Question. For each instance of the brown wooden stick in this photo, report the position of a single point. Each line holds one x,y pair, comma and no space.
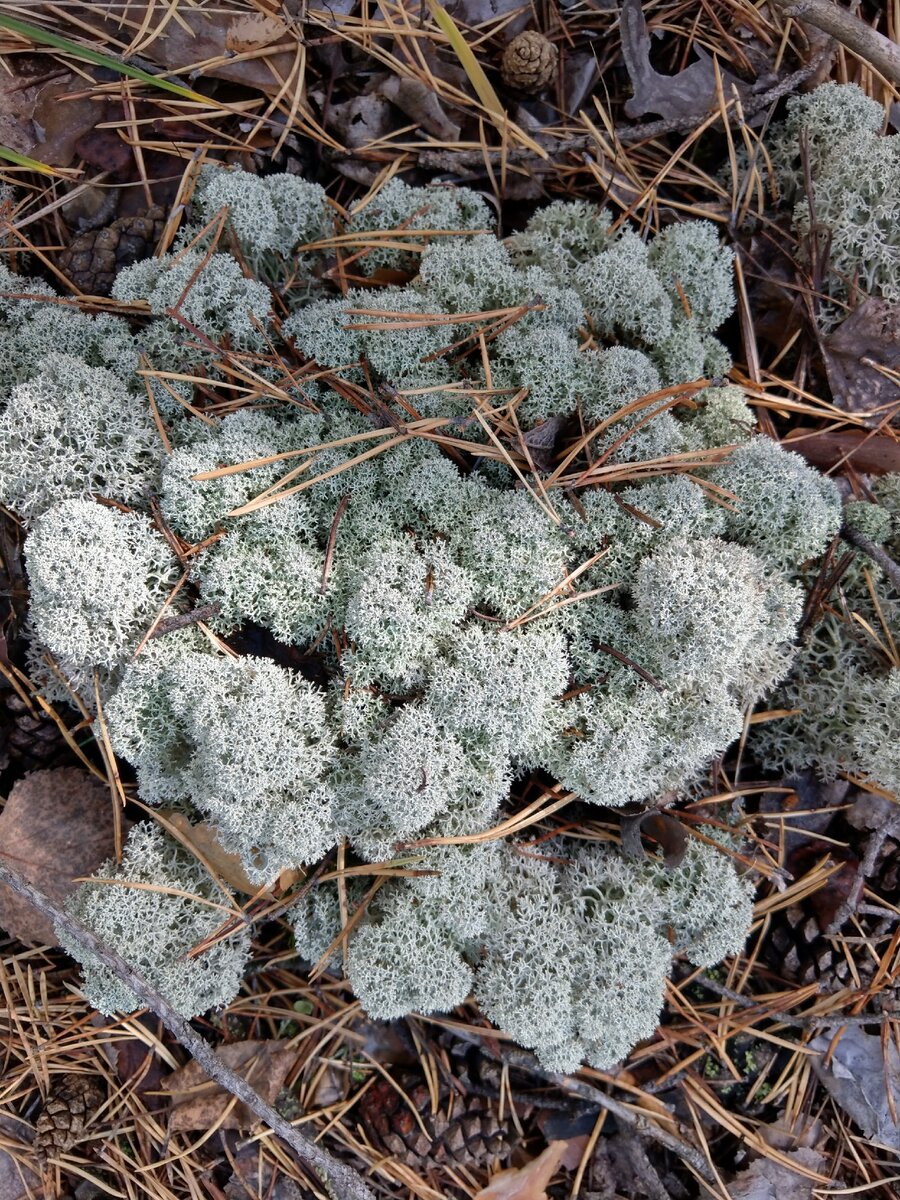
850,30
874,551
340,1179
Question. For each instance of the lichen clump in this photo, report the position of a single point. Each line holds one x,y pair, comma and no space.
854,169
399,626
843,692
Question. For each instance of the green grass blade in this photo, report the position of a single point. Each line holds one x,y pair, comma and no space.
22,160
484,89
467,60
43,37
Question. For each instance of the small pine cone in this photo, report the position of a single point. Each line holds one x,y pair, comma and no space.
61,1122
93,259
463,1132
31,738
529,62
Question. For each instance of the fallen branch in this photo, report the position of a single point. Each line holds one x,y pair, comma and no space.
874,551
340,1180
448,159
848,29
183,620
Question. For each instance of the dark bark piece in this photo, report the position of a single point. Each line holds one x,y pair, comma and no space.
868,453
57,825
866,340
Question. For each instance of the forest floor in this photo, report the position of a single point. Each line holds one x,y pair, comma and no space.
778,1074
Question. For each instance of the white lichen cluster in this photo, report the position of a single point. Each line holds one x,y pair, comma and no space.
98,578
843,694
73,430
854,170
154,908
418,649
567,951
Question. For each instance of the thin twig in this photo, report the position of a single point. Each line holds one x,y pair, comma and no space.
874,551
203,613
340,1179
815,1021
850,30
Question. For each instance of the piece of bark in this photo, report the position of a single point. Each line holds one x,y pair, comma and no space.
56,826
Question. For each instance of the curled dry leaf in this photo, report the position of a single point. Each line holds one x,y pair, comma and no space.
252,31
528,1182
690,93
57,825
202,841
667,831
541,442
421,105
858,355
862,1075
200,1103
198,39
767,1179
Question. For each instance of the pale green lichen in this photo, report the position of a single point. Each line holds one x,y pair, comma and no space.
154,908
423,636
74,431
855,174
841,698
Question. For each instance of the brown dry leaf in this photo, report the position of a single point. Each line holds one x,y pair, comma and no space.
871,811
17,1177
198,36
56,826
254,1176
541,442
201,838
135,1061
37,119
362,120
857,1069
528,1182
809,809
690,93
833,895
61,120
107,151
17,101
421,105
866,340
876,454
479,12
770,1180
252,31
199,1103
